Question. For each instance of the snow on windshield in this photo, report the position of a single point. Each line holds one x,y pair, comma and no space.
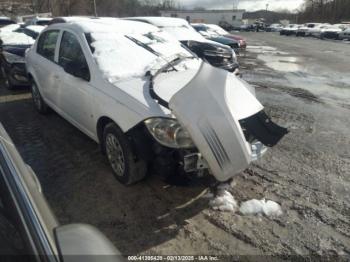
218,29
184,33
119,57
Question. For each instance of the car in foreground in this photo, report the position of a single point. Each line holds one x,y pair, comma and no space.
290,29
216,54
170,112
34,232
211,35
14,41
220,31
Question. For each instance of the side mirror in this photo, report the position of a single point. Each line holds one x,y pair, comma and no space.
81,242
78,70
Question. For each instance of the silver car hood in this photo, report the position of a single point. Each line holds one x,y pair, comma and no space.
210,107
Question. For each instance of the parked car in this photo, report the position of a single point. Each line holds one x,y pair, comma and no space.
211,35
216,54
318,30
274,28
4,21
247,28
345,34
170,112
39,21
15,40
34,232
290,29
220,31
333,31
304,30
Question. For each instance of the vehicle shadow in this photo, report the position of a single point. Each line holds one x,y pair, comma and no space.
80,186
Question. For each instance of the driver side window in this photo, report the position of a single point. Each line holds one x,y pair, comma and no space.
71,52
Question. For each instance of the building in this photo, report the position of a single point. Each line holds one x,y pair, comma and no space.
232,17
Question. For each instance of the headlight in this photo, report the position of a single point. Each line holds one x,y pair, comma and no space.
169,132
12,58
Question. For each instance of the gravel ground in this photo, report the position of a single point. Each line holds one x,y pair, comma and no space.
304,85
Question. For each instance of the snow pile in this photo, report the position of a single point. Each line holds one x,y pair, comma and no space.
224,201
256,207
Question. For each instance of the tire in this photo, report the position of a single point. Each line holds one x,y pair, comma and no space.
38,101
127,168
7,81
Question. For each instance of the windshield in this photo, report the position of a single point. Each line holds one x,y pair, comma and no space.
132,55
184,33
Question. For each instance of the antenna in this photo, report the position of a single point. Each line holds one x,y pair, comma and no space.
235,4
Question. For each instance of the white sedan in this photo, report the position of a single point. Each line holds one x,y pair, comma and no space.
147,100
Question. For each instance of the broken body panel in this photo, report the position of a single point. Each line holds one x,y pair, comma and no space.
211,107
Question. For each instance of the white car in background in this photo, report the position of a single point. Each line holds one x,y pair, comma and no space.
345,34
318,30
305,29
147,100
333,31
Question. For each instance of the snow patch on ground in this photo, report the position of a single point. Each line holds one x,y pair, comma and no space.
255,207
223,200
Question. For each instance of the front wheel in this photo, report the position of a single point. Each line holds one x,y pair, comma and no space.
38,101
127,168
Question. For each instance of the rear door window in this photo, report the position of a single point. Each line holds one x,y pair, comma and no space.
47,44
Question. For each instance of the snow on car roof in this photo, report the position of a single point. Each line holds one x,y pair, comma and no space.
177,27
115,49
36,28
163,21
9,28
14,38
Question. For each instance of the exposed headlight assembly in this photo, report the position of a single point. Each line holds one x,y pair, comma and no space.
12,58
169,132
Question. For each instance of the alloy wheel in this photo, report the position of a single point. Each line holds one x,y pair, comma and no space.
115,154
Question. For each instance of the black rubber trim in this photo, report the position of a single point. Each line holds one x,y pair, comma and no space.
261,127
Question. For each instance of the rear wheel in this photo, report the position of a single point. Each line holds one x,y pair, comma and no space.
38,101
127,168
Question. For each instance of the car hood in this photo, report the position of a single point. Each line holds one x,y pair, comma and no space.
235,37
223,40
168,84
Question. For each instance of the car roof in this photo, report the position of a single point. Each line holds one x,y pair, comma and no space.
161,21
101,24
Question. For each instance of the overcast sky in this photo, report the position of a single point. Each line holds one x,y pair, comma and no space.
250,5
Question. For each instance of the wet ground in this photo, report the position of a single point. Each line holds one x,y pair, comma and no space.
304,85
